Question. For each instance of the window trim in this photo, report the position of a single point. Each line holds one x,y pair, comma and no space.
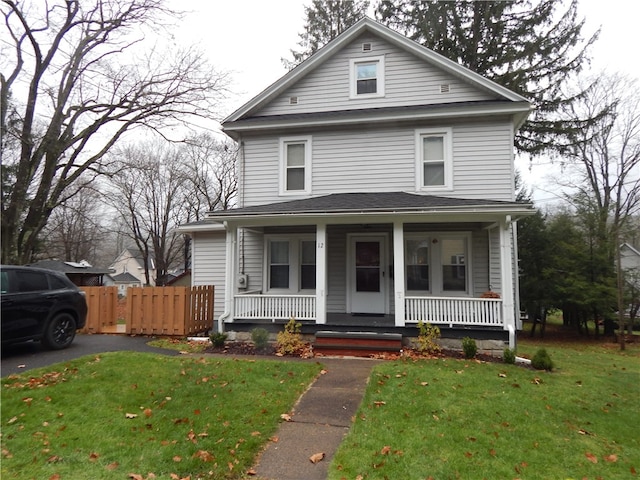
436,262
353,77
447,134
283,143
295,262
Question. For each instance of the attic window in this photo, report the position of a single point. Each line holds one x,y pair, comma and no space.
445,88
367,77
293,100
366,47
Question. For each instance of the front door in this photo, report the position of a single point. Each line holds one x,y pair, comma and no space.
367,275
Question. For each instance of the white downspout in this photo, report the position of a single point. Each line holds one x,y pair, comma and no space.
230,262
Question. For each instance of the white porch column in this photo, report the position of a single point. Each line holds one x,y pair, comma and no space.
321,273
230,274
398,272
506,276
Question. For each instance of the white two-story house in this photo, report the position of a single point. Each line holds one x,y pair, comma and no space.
376,189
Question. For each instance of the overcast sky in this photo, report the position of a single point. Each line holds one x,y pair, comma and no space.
249,37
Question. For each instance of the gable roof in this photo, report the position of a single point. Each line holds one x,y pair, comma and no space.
369,25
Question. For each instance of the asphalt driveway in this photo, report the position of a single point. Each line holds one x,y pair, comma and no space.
25,356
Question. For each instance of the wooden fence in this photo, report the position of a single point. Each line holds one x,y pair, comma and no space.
174,311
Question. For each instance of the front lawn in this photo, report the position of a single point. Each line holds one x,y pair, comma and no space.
455,419
141,416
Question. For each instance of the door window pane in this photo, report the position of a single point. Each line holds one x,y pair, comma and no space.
367,266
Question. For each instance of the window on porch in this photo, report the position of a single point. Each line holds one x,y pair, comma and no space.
436,263
291,264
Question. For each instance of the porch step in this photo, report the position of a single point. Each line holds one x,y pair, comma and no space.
356,344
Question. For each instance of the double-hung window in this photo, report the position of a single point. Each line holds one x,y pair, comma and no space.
436,263
434,162
291,263
367,77
295,165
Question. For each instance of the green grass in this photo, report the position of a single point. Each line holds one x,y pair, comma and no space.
460,419
125,413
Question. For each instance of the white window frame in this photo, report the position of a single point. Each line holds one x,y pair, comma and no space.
284,142
295,262
353,80
446,134
436,261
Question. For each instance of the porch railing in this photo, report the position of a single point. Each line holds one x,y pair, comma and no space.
454,311
275,307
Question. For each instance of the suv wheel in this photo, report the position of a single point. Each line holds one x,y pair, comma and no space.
60,331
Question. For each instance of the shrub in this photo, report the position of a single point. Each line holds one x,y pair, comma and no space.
428,338
289,342
260,338
542,361
469,347
509,356
218,339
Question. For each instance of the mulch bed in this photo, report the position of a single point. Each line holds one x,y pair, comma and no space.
247,348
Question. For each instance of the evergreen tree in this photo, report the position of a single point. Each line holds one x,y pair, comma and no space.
326,19
528,47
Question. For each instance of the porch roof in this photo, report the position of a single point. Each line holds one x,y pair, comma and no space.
378,204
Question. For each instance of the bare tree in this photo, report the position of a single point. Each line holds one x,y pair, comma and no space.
83,84
211,168
150,195
74,231
607,155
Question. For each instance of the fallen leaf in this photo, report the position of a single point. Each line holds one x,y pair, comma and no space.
468,454
147,412
379,403
286,417
112,466
251,471
385,450
28,401
591,457
54,459
611,458
502,375
135,476
93,456
323,372
316,457
204,456
255,434
55,476
274,439
492,452
177,458
424,384
130,415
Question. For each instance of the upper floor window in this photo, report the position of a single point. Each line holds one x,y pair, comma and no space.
434,162
367,77
295,165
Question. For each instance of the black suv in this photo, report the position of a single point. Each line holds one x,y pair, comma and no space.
40,304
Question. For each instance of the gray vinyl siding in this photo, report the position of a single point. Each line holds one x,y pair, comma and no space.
408,81
208,265
383,160
480,263
251,258
494,260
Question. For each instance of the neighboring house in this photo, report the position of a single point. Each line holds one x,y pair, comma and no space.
181,280
130,261
376,189
80,273
630,263
125,280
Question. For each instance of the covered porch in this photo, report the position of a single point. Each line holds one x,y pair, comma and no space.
373,261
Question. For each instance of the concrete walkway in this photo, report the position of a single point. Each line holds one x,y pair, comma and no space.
320,420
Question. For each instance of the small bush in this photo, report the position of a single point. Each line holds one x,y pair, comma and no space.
428,338
469,347
542,361
260,338
509,356
218,339
290,341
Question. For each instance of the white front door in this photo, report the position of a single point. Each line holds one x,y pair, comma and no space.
367,274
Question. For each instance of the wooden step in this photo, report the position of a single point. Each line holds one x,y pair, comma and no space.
356,344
